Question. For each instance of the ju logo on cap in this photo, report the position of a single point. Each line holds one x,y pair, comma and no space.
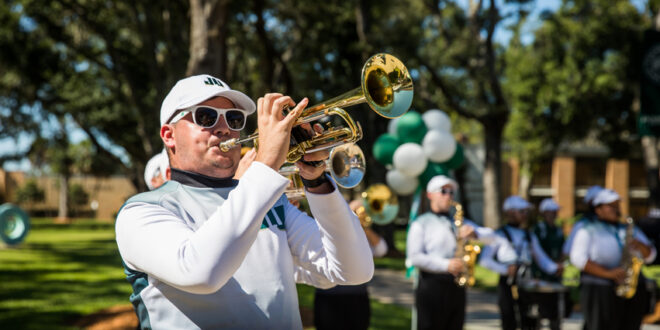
213,81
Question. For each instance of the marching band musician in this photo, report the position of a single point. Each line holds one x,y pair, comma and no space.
597,251
207,251
347,306
431,245
551,238
157,170
513,311
588,217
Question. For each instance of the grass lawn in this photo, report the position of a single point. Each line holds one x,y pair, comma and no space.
58,274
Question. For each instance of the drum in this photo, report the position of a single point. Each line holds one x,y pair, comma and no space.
545,299
14,224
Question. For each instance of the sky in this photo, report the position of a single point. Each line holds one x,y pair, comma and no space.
8,146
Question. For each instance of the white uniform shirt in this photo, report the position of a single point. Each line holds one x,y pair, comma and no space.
229,257
431,241
497,256
603,243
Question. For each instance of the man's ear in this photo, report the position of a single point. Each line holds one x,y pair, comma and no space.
168,173
167,135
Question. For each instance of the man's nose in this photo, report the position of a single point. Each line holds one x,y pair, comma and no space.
221,126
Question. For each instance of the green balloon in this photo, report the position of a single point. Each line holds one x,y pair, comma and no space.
384,148
432,169
411,128
456,160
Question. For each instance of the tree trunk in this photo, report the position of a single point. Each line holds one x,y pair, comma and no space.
525,179
208,36
492,170
63,207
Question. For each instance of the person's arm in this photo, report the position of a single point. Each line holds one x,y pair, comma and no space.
642,244
153,240
488,256
380,249
331,250
542,259
483,234
566,248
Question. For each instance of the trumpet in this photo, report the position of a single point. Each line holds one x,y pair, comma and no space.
346,165
386,86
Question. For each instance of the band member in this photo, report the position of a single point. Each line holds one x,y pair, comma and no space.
206,251
157,170
514,308
347,306
431,246
597,251
586,218
551,238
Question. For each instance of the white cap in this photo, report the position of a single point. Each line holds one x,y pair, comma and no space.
515,203
548,204
197,89
156,165
591,193
437,182
606,196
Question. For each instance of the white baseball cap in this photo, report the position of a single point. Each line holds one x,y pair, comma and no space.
548,204
437,182
591,193
156,166
515,203
606,196
197,89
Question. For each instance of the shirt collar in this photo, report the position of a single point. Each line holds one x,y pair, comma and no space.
201,181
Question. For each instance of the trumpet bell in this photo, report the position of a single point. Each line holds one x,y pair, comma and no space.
347,165
387,85
380,203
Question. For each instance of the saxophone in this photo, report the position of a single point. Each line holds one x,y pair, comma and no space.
631,263
465,251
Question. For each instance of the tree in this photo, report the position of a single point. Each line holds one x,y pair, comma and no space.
106,64
577,78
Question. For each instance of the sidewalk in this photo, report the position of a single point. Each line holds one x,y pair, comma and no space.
392,287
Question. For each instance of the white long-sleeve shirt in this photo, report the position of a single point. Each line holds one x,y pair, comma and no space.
497,256
431,241
603,244
229,257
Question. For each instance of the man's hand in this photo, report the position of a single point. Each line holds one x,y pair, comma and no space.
467,231
511,270
560,269
456,266
644,249
308,171
245,162
275,128
618,275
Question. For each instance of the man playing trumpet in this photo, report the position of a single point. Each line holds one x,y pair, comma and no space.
206,251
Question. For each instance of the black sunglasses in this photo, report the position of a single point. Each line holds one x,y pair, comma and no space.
447,191
207,116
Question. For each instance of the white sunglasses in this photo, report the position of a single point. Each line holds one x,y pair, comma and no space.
207,116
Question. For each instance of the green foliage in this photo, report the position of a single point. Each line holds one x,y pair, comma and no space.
577,78
29,192
77,195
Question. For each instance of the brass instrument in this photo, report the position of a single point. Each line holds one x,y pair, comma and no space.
386,86
346,165
631,263
380,204
465,250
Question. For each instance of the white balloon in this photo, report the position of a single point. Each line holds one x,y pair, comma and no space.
439,146
436,120
391,126
401,184
409,159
